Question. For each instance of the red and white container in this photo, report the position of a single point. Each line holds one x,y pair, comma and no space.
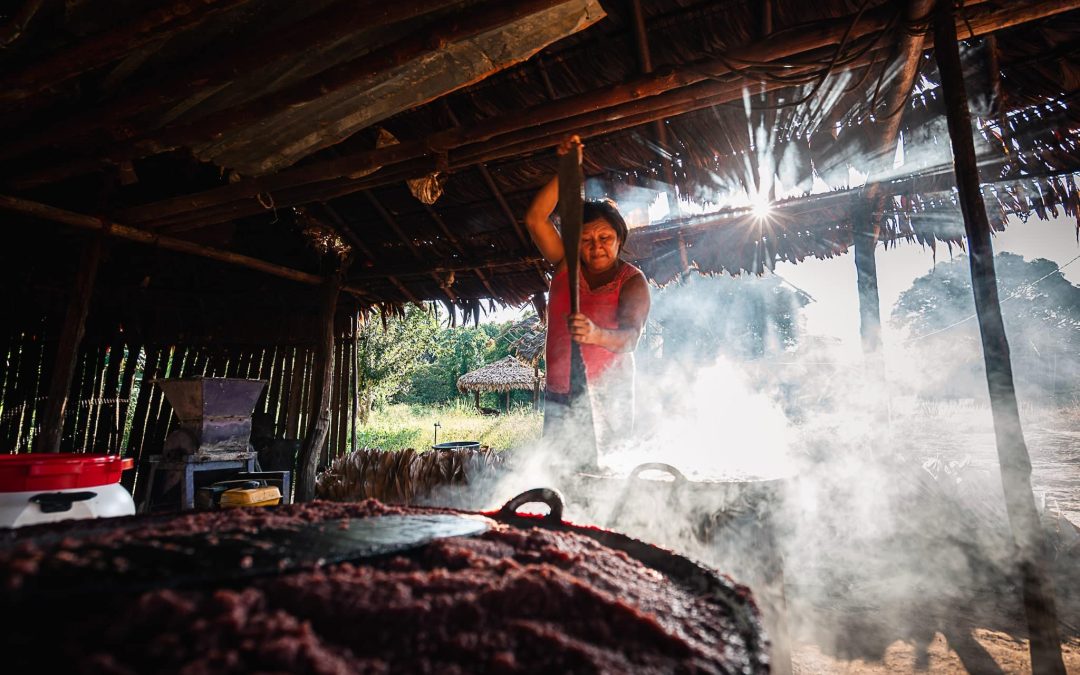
46,487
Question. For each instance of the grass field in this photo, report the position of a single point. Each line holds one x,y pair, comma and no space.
413,426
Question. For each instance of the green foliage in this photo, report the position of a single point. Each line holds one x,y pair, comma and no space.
1039,306
399,426
389,355
457,351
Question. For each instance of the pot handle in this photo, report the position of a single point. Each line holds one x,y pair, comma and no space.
658,466
547,496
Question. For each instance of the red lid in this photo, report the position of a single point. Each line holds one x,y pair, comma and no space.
59,471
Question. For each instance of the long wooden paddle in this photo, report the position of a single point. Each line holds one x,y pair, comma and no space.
571,216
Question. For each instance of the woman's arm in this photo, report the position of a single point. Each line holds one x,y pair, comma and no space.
538,220
632,313
538,217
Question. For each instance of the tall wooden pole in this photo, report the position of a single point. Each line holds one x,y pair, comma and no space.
356,376
867,226
323,372
1024,521
67,348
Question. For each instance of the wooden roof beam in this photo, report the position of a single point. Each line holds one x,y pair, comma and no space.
589,125
503,263
118,231
981,20
107,46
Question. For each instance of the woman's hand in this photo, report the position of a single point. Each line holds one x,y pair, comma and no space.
571,144
538,217
582,330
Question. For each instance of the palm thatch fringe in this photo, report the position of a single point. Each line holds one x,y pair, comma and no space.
403,476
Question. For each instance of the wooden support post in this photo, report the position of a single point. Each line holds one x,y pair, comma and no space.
1024,523
660,130
67,348
865,236
867,225
323,377
507,401
355,356
476,395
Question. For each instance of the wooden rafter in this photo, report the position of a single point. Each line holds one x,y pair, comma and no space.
664,93
456,243
389,219
119,231
341,226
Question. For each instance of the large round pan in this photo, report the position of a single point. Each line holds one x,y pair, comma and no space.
692,576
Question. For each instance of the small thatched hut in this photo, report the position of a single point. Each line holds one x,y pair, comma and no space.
506,375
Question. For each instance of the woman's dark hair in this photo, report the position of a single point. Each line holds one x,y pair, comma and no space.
606,209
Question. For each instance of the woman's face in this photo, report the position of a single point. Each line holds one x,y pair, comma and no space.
599,245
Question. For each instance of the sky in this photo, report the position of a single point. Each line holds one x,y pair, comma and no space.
832,282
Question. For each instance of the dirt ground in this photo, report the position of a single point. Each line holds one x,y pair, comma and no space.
984,652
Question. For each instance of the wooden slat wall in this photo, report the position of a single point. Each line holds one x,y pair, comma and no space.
114,406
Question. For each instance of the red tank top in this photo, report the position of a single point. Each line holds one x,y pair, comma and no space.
599,304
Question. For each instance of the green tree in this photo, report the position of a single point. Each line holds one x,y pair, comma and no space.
454,352
388,356
1039,306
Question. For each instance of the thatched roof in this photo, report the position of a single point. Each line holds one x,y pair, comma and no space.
503,375
251,127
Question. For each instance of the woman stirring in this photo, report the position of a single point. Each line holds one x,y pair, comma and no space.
614,304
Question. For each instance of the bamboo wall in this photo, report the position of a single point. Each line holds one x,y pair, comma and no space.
113,406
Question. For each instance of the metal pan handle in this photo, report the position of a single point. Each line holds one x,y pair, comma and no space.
547,496
658,466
